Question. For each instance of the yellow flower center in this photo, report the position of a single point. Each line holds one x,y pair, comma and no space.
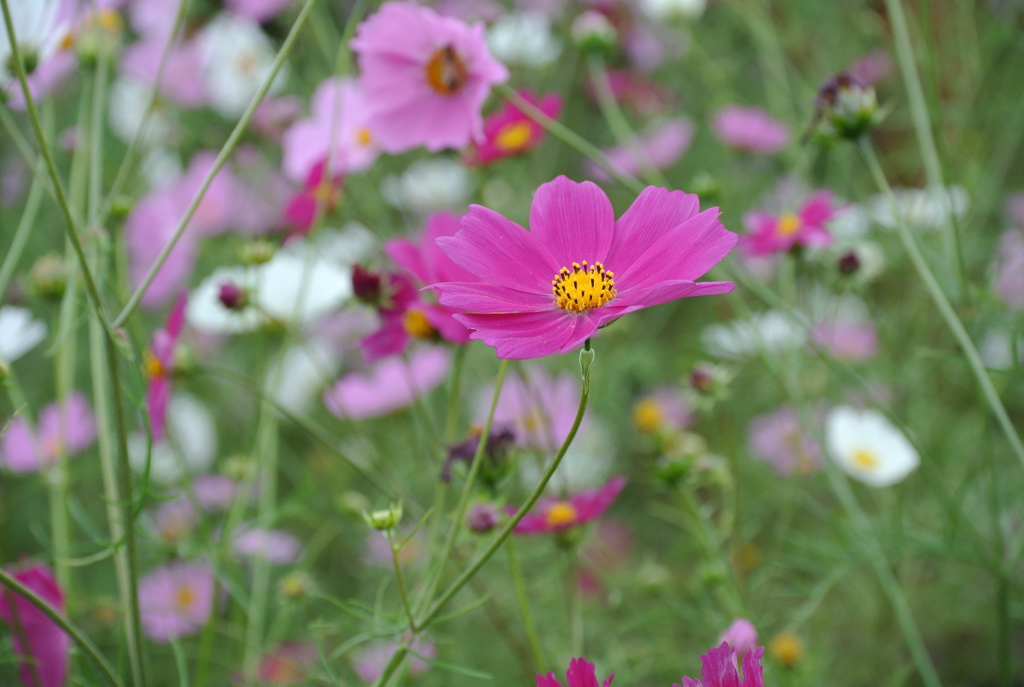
110,21
865,458
416,324
648,415
152,366
561,514
184,597
323,192
512,138
583,287
363,136
788,224
787,648
446,71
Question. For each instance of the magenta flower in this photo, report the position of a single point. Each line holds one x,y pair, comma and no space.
539,409
847,339
391,384
1009,284
741,636
719,669
769,233
581,673
317,195
46,653
548,290
510,132
339,130
659,148
276,546
426,77
554,515
159,364
67,427
777,439
750,128
176,600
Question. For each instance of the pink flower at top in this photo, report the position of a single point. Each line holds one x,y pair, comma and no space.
539,409
750,128
317,195
370,661
389,385
46,653
547,290
159,364
276,546
719,669
179,80
258,10
338,129
659,148
510,131
581,673
426,77
769,233
777,439
408,314
1009,284
67,427
176,600
554,515
847,339
741,636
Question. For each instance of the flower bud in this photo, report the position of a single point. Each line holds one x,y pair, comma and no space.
232,297
386,519
592,32
49,276
295,584
257,252
5,372
482,518
849,107
121,207
366,285
849,263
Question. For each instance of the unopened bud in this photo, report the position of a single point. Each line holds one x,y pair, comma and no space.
232,297
5,371
366,285
482,518
849,107
49,276
386,519
849,263
120,207
592,32
295,584
257,252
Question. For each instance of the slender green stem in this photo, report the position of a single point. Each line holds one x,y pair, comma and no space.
525,610
451,424
574,602
73,632
1005,633
222,157
25,227
953,322
570,137
401,579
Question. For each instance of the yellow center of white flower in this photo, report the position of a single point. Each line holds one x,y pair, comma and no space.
583,287
416,324
561,514
446,71
865,458
788,224
513,137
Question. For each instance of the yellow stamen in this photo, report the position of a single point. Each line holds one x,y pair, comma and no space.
648,415
363,136
787,648
416,324
583,287
513,137
68,41
152,366
865,459
184,597
446,71
788,224
110,21
561,514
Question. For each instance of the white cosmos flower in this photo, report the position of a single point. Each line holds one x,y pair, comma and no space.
429,186
237,58
19,333
305,369
207,313
868,447
662,10
38,33
129,99
771,332
525,39
190,445
922,209
997,348
586,465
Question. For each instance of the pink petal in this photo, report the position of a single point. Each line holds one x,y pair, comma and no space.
674,290
531,335
489,298
592,504
574,220
753,673
18,448
654,212
817,209
407,255
548,680
581,673
719,668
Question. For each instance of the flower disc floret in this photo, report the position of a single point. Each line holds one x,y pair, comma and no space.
583,287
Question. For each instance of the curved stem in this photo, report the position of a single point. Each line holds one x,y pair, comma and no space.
529,623
25,226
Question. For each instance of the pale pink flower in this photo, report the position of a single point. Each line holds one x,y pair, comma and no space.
539,409
179,81
871,68
276,546
389,385
67,427
750,128
1009,283
847,339
741,636
176,600
768,233
659,147
258,10
778,439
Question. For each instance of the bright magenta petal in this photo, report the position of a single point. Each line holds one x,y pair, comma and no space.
654,212
574,220
674,290
530,335
488,298
581,673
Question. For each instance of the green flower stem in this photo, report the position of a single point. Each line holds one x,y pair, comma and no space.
222,157
616,120
25,227
525,610
574,602
570,137
970,352
586,361
395,550
731,597
73,632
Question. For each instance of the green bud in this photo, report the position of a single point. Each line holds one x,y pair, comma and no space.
386,519
295,584
256,252
5,371
592,32
847,107
587,356
121,207
49,276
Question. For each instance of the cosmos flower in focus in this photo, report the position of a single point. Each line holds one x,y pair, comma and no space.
719,669
389,385
19,332
425,76
510,131
554,515
751,129
581,673
176,600
777,439
659,147
47,652
548,290
66,427
769,233
868,447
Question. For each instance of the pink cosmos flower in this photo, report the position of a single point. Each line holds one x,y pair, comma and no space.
318,195
777,439
67,427
176,600
391,384
276,546
174,519
581,673
426,77
509,131
258,10
659,148
273,116
719,669
369,663
847,339
159,364
539,409
769,233
46,653
408,315
339,129
606,552
741,636
1014,208
554,515
214,491
179,80
548,290
1009,284
663,408
750,128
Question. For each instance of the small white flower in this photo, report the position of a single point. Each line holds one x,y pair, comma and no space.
868,447
190,445
237,58
921,209
129,99
37,31
19,333
996,349
304,370
851,221
771,332
299,286
429,186
663,10
525,39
